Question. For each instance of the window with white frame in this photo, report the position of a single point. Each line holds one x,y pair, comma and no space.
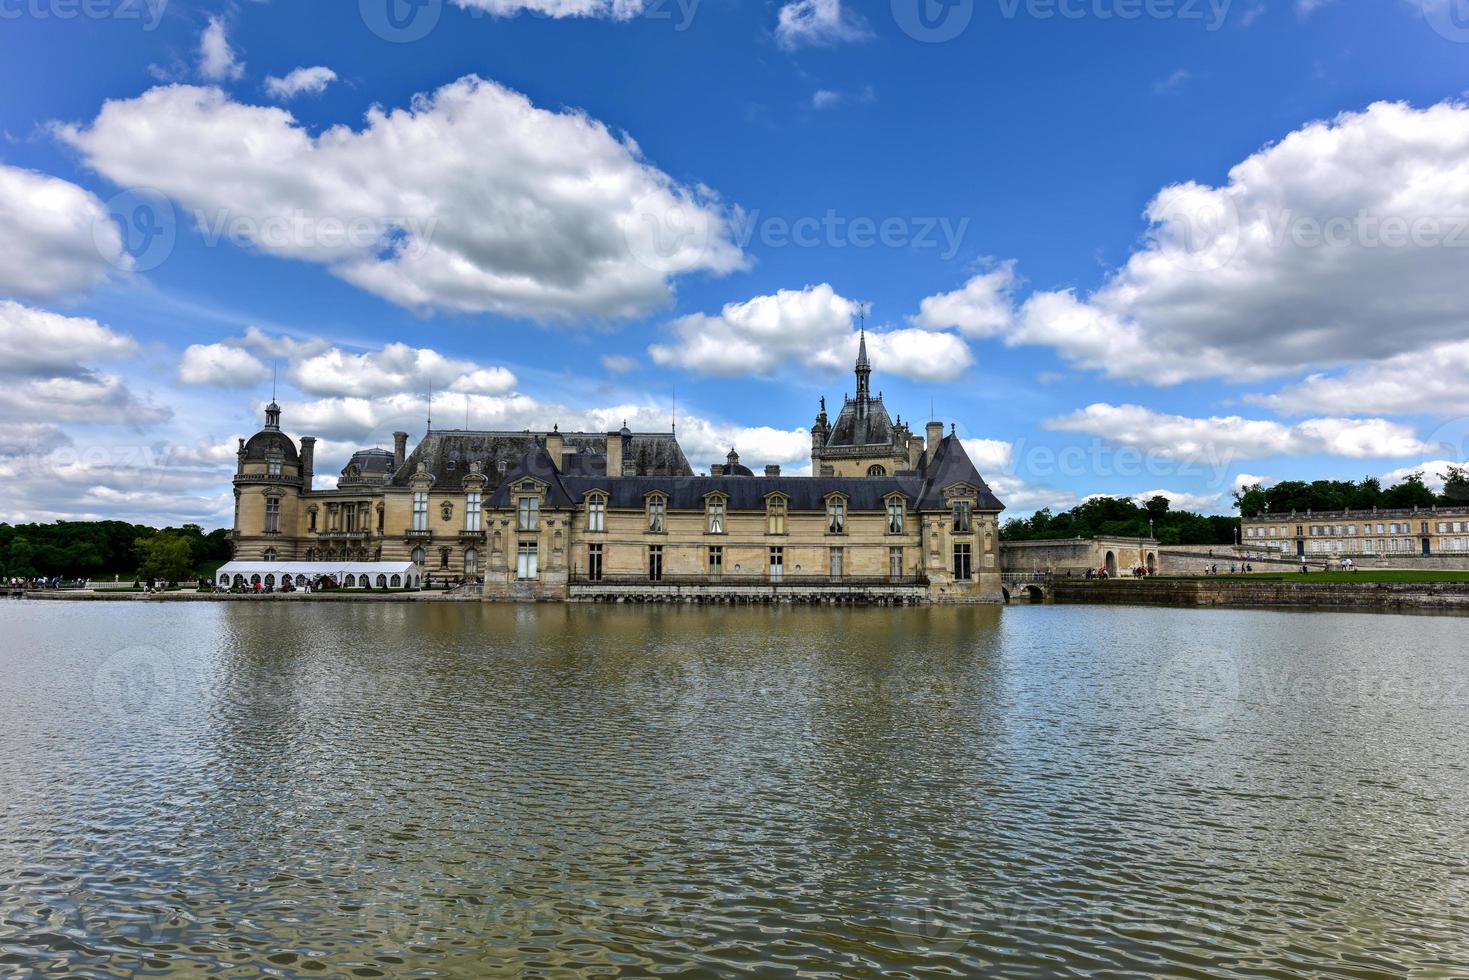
715,511
657,513
420,510
272,515
596,512
472,512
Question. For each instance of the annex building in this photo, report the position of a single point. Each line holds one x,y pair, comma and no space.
885,516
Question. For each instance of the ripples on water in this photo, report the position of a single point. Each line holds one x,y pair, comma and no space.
467,790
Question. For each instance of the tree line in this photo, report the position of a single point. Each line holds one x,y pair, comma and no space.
89,549
1329,495
1123,517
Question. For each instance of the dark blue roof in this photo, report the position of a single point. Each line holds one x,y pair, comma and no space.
922,489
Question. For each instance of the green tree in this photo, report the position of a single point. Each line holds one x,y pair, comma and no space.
166,555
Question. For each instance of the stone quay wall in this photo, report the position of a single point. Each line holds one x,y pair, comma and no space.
1267,593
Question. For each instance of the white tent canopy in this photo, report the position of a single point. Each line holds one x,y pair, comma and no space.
347,574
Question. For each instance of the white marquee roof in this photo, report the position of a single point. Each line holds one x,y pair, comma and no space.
311,569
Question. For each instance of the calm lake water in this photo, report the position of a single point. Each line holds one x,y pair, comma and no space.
455,789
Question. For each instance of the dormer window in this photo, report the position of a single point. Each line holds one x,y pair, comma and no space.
596,512
961,517
895,515
775,515
657,513
714,512
836,515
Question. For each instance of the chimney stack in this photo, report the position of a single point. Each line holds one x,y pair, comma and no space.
772,470
308,460
614,454
555,446
400,448
915,450
935,432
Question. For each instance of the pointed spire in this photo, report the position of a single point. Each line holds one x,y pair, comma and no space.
864,366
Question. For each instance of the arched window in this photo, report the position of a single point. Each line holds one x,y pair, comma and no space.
301,580
877,469
382,581
254,579
270,581
395,581
418,556
270,554
224,581
350,582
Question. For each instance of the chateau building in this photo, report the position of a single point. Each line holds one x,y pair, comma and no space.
1363,534
590,515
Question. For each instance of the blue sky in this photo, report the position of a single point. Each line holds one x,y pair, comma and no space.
1123,246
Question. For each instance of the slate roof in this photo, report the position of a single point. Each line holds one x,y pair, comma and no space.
266,439
447,454
923,488
852,428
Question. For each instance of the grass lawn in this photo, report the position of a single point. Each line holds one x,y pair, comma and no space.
1365,576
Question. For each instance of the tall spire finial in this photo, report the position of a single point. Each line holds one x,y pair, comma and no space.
429,417
864,366
273,366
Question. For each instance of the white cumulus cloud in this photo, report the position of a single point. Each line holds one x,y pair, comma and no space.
821,23
810,328
1220,438
472,199
308,81
217,60
56,239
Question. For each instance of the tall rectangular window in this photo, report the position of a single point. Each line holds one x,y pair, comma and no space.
596,512
895,516
525,560
655,563
775,514
777,563
716,560
657,508
472,512
837,562
594,562
273,467
895,562
961,517
716,515
836,516
529,513
272,515
420,510
963,562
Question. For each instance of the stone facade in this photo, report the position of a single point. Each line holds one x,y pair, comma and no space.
1383,537
1073,556
552,515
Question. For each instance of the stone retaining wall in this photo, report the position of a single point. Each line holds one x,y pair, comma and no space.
1267,593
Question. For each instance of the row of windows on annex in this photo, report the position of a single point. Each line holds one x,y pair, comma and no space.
597,554
715,568
716,513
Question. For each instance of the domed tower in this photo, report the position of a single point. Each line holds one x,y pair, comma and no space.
270,475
